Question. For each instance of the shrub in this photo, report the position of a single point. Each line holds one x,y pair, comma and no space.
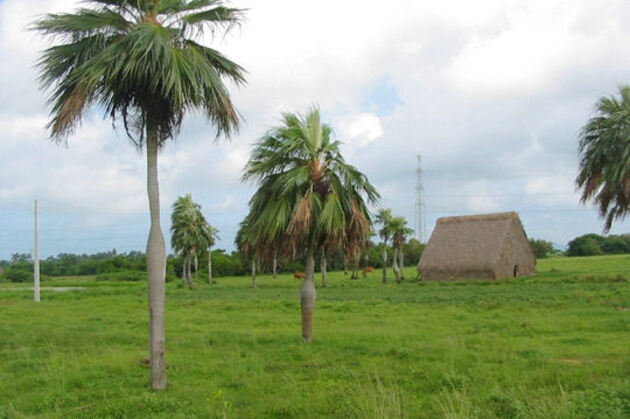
586,245
18,275
541,248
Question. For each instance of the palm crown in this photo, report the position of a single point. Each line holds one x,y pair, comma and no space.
138,60
604,150
308,194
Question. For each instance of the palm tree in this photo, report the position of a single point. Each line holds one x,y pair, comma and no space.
191,234
212,235
399,230
384,217
307,194
246,244
184,232
604,151
140,63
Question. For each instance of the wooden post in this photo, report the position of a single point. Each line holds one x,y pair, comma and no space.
36,259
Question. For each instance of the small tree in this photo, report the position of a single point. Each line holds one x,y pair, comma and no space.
384,218
399,229
541,248
191,235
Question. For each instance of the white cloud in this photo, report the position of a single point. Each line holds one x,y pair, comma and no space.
492,94
359,129
533,46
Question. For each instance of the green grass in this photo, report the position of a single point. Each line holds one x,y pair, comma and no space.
554,346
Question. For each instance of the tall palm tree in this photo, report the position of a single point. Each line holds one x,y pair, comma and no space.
139,61
307,194
604,152
384,218
399,230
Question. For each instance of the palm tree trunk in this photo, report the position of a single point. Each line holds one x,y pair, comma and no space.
357,264
395,264
184,261
307,295
210,265
189,273
322,268
275,264
345,263
156,267
401,262
254,273
384,262
196,268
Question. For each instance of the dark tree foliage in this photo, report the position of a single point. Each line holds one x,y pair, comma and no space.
594,244
541,248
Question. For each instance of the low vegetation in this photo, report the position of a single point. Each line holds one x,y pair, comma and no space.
551,346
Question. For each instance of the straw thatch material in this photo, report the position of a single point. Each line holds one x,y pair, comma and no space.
489,246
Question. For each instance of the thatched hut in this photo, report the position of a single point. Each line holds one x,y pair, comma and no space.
488,246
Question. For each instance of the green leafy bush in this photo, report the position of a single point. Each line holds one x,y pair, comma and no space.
18,275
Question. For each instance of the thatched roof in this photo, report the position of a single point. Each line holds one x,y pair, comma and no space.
471,244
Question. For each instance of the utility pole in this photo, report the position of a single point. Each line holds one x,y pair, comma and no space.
36,259
420,223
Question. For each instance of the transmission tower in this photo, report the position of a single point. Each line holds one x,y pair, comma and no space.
420,224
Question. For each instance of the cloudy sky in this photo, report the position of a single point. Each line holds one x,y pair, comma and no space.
491,93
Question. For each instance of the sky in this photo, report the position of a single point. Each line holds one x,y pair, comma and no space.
492,94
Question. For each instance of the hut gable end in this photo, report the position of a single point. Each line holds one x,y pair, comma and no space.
477,246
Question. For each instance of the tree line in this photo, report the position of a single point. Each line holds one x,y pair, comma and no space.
19,268
585,245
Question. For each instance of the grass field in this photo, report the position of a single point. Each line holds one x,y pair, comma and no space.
554,346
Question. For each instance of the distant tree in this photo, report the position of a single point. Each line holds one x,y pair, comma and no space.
399,229
248,244
20,257
384,218
604,152
191,235
541,248
140,62
616,244
413,250
212,235
586,245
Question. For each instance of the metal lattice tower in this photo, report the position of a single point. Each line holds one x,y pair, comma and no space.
420,223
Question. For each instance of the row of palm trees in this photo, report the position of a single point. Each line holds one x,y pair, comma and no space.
396,228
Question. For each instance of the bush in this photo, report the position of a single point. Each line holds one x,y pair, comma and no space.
586,245
541,248
18,275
